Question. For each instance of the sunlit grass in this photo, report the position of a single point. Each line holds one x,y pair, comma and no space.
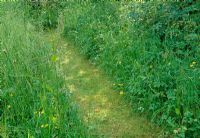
102,109
34,101
150,49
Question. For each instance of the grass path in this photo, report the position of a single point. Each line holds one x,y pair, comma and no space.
102,109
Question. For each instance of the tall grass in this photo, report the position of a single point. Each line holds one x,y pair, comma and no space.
33,98
151,50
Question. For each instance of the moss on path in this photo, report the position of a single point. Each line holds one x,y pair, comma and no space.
102,109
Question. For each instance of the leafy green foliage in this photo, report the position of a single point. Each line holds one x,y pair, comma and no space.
150,47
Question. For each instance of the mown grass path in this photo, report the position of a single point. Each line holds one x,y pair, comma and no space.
102,109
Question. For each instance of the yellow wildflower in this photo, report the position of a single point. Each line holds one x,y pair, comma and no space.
121,93
44,126
54,58
194,63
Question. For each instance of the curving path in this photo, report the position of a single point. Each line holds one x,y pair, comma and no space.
103,110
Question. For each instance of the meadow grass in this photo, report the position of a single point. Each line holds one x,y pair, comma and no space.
103,109
33,99
149,48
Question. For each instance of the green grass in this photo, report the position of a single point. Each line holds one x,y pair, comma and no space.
151,48
34,101
104,111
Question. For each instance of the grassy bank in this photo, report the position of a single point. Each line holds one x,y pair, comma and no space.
33,99
151,50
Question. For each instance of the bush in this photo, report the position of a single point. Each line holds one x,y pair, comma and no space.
151,50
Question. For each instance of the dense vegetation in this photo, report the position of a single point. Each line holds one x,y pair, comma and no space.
152,51
33,99
44,14
150,48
